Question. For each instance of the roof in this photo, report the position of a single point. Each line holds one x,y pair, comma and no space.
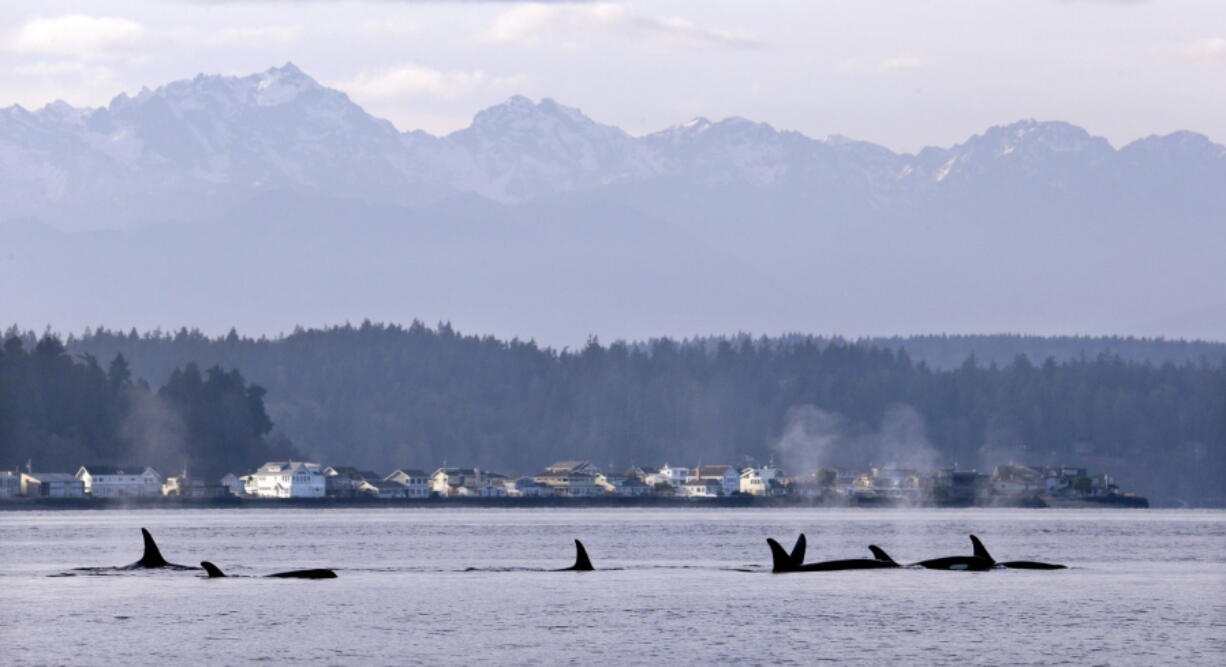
54,477
385,484
411,472
573,466
456,471
115,470
287,466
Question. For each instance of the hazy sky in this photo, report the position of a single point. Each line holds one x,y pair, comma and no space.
904,73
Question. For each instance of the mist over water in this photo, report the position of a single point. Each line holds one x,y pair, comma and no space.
815,438
1144,587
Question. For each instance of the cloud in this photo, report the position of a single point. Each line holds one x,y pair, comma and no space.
1205,49
78,35
273,35
393,26
532,23
900,63
418,81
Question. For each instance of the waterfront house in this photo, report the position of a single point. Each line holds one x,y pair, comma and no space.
763,481
416,482
1017,480
448,481
51,485
526,487
382,488
346,481
729,478
10,484
618,485
182,486
700,488
289,479
578,483
671,475
120,481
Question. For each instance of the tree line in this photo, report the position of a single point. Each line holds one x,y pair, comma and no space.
387,396
58,412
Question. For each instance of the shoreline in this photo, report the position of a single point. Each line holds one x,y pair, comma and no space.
730,502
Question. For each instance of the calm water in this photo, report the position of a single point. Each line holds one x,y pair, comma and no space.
1144,587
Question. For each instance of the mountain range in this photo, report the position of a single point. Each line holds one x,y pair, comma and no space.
269,200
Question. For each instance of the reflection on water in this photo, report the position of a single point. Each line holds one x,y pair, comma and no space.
477,586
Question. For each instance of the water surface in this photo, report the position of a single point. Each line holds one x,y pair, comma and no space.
468,586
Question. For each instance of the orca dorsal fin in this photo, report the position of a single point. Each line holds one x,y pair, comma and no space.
980,550
212,569
798,552
780,560
582,563
880,554
152,557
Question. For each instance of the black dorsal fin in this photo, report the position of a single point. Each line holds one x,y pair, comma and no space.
212,569
582,563
152,557
980,550
798,552
780,560
880,554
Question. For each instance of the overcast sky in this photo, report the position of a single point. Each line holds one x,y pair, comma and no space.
904,73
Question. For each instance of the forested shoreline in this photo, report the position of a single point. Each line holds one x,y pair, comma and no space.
386,396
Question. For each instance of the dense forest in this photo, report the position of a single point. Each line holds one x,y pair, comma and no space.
58,413
384,396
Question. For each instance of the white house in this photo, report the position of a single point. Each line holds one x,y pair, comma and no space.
289,479
382,488
51,485
416,482
120,482
671,475
460,481
526,487
570,484
764,481
700,488
729,478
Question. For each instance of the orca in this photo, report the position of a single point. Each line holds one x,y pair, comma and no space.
582,562
794,562
215,572
982,552
977,563
152,557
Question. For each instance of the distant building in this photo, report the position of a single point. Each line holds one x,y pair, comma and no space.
526,487
120,481
618,485
381,488
288,479
10,484
570,481
346,481
51,485
729,478
764,481
461,481
182,486
700,488
671,475
416,482
1017,480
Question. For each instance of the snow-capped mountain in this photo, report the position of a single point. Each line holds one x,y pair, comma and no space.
191,148
537,215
